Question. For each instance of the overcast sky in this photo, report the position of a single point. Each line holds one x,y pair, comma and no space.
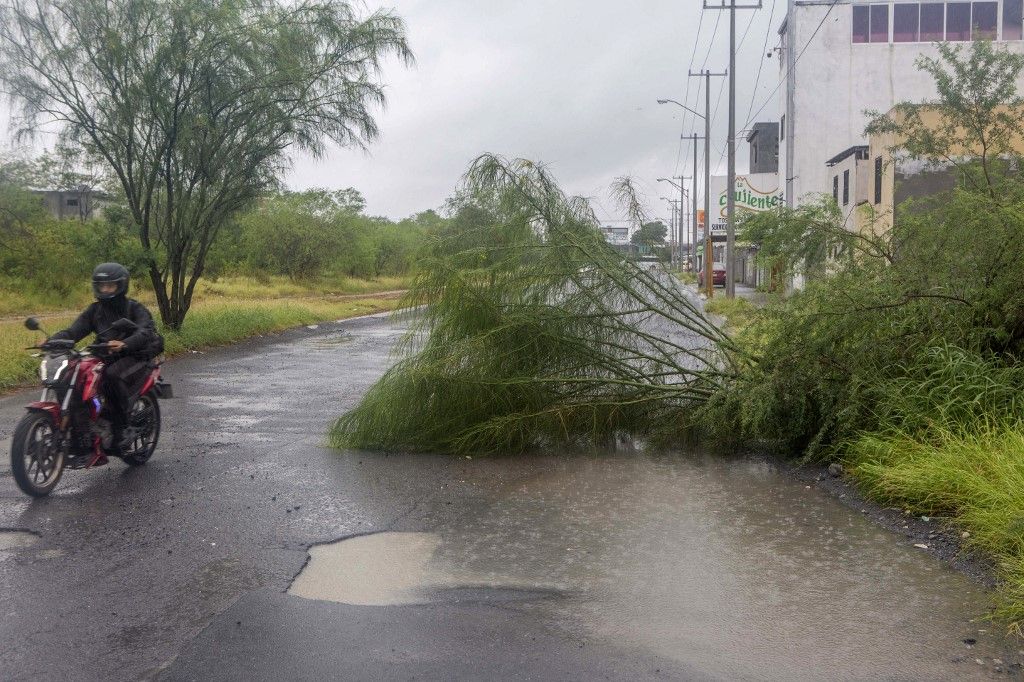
571,83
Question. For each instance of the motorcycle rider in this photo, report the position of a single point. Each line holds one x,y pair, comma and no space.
133,350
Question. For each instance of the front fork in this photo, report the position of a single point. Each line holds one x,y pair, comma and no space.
61,416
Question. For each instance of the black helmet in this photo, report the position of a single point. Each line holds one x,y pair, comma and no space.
106,273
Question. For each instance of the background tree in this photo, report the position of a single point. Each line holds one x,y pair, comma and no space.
650,235
194,104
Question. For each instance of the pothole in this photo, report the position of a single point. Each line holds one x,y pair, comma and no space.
386,569
369,570
11,539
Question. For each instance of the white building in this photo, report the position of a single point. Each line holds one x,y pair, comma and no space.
849,56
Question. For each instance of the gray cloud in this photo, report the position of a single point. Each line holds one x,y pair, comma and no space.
571,83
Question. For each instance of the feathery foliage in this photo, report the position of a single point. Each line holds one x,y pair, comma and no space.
535,331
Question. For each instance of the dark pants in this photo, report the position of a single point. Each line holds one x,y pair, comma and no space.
121,379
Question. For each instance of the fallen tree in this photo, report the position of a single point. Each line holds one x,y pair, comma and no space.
536,332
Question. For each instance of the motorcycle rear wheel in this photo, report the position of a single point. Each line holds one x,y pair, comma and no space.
37,460
144,420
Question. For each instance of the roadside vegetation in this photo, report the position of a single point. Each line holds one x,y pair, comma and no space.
901,355
737,313
291,258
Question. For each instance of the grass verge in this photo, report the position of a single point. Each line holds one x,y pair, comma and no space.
976,480
738,312
685,277
210,323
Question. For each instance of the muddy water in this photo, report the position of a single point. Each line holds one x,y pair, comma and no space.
727,565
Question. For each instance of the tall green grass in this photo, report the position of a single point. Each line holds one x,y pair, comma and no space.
949,442
974,479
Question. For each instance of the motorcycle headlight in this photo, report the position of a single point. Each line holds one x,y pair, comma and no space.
51,370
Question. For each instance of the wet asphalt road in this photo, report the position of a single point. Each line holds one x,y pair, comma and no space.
616,565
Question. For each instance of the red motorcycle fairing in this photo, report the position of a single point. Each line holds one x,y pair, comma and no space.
91,369
49,407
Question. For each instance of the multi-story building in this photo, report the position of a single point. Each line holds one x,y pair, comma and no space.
842,58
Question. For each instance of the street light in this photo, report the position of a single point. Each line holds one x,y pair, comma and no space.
673,226
678,104
707,173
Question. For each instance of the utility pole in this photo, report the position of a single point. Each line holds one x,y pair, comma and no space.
671,232
709,255
788,127
673,227
730,227
693,139
693,207
681,223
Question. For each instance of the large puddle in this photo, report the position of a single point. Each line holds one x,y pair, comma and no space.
728,564
388,569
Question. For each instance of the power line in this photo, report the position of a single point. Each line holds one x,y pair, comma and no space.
793,65
757,79
721,89
707,55
693,55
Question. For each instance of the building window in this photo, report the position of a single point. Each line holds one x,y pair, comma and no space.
782,128
835,188
879,23
958,21
928,22
860,23
984,20
933,18
846,187
1013,18
905,23
72,203
878,180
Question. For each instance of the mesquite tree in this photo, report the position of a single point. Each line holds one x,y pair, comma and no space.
533,331
194,104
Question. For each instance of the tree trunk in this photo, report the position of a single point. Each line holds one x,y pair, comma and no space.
162,301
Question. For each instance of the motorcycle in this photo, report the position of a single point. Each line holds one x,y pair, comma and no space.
67,427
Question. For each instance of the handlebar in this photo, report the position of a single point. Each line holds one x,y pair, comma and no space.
67,345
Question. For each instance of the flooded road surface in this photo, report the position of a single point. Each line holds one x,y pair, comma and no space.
245,550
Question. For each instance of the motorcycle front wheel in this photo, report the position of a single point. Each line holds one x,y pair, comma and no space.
37,460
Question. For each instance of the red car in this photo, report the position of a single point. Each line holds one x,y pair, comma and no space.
717,275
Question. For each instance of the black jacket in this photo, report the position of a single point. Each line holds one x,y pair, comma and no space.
97,319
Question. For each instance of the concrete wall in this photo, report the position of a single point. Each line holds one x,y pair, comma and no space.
73,204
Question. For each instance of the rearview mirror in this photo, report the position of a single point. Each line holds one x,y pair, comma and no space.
32,324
